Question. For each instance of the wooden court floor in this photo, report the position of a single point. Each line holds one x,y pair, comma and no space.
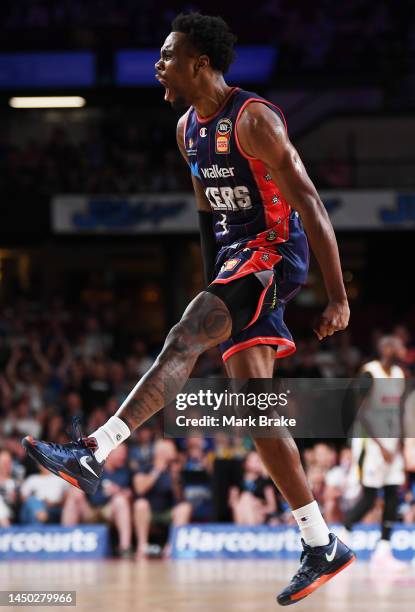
204,586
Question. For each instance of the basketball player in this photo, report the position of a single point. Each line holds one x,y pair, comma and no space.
380,457
251,188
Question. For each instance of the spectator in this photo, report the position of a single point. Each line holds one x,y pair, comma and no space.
348,356
20,421
140,352
254,502
8,489
324,456
117,380
140,451
96,387
158,495
341,489
408,353
110,503
42,496
27,370
196,479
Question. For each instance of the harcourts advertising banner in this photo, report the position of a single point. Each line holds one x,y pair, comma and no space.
230,541
366,210
135,214
53,542
176,212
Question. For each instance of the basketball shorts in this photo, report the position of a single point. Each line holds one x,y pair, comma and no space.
374,470
266,325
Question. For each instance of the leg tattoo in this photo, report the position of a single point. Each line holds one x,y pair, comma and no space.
205,323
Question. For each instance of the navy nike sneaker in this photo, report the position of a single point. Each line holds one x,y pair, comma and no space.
74,462
318,566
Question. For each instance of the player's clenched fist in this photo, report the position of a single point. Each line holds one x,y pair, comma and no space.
334,318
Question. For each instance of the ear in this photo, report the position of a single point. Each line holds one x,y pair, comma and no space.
202,63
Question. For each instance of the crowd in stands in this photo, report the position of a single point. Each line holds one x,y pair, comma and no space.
322,35
117,155
58,362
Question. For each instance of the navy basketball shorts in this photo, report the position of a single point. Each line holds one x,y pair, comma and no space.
266,326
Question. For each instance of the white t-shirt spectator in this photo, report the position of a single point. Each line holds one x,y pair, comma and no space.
5,512
49,488
342,478
7,494
25,427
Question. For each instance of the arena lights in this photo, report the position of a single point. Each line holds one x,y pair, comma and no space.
47,102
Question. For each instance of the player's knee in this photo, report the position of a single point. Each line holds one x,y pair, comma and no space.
206,323
183,338
177,340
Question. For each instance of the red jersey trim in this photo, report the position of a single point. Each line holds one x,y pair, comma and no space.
223,281
185,128
220,109
258,169
260,302
289,346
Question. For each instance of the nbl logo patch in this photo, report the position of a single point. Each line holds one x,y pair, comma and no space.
223,136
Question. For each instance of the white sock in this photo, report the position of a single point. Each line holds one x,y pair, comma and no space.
109,436
314,530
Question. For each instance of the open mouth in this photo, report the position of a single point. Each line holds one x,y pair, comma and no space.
165,85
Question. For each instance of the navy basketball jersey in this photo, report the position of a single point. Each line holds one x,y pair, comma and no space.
248,208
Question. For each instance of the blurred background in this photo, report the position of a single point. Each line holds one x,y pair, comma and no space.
99,250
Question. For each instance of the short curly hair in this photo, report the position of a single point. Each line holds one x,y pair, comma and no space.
208,35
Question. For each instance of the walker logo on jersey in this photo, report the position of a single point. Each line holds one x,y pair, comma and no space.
191,143
230,265
223,136
203,132
216,172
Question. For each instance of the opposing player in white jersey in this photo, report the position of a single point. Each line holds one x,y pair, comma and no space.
378,457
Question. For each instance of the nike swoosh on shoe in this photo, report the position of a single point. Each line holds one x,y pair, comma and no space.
331,556
84,462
